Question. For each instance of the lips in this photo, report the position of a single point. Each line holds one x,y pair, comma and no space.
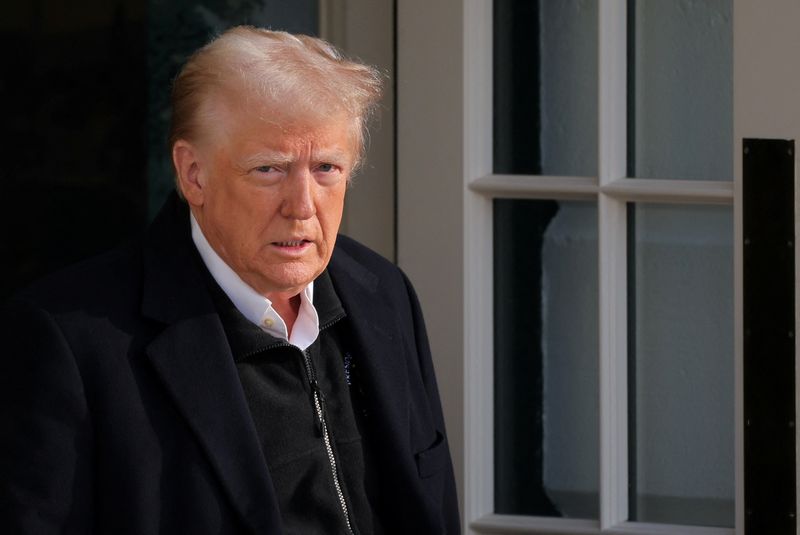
291,243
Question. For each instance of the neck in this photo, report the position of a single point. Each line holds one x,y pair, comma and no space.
287,308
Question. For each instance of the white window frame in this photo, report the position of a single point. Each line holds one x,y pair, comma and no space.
445,192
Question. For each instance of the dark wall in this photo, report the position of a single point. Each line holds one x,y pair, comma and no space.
84,94
74,103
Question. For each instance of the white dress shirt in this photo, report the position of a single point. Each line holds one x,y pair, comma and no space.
254,306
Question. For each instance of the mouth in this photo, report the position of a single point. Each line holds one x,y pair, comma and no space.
293,243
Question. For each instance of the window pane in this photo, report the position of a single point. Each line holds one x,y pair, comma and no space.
546,419
682,421
680,89
545,87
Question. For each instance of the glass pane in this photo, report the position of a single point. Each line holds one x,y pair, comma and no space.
682,421
545,87
546,391
680,89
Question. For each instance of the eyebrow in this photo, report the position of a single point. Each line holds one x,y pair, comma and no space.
266,157
280,157
334,155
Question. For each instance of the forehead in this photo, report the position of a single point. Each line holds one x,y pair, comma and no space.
245,120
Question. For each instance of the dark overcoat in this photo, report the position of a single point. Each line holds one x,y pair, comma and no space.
121,410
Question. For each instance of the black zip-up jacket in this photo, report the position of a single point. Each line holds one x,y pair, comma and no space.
311,418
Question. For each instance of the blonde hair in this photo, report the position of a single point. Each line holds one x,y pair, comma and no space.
294,75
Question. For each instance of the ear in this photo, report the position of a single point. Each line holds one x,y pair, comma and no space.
186,159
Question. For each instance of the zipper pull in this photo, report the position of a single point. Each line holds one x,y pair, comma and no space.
317,406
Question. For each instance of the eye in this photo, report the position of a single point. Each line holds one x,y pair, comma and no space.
328,174
266,174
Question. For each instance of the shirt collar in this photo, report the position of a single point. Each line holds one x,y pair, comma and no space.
254,306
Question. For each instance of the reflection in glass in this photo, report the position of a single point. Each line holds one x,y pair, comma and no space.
680,87
545,87
682,421
569,87
546,390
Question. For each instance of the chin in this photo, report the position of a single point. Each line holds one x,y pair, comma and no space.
293,281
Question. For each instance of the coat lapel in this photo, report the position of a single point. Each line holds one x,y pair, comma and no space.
384,357
380,354
194,361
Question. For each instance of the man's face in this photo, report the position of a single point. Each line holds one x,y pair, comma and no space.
270,196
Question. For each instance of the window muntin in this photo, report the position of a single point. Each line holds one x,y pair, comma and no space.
606,185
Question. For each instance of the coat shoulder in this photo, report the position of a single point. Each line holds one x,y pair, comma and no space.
362,254
98,281
355,261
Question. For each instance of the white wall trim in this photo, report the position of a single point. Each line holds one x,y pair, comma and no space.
431,201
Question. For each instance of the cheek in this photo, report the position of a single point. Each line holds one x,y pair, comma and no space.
330,223
242,227
332,207
254,211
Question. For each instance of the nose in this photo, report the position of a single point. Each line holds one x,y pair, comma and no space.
298,195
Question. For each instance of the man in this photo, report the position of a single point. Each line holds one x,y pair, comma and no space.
242,369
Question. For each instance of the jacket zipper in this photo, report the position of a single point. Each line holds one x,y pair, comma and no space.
322,423
318,401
